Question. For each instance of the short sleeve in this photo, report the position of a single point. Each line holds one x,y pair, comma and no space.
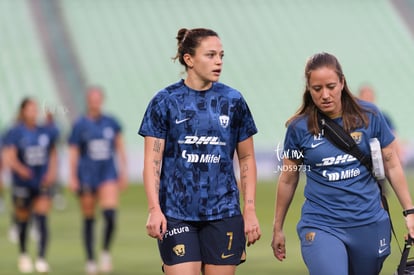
389,121
247,127
116,126
10,137
382,129
5,137
292,142
54,133
154,122
75,135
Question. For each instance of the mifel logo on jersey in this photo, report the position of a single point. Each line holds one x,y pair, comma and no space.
179,250
357,136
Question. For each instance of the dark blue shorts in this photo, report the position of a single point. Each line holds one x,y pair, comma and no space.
23,196
220,242
93,175
359,250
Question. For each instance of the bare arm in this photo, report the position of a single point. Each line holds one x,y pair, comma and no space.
73,167
395,175
122,161
154,150
51,173
248,178
288,181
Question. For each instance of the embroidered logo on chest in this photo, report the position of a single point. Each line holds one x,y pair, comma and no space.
224,121
357,136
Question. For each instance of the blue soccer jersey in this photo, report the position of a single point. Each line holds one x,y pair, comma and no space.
95,139
53,130
339,190
33,147
201,130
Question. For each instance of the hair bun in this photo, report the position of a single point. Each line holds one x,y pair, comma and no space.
181,35
188,40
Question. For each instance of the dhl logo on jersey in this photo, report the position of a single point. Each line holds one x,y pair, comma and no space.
202,140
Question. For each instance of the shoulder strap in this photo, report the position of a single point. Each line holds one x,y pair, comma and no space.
341,139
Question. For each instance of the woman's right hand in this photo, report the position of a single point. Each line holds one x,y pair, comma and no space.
156,224
25,173
278,245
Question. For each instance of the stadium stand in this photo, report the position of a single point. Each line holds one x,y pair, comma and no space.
24,70
126,46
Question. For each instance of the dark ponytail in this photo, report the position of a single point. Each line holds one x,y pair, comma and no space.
188,40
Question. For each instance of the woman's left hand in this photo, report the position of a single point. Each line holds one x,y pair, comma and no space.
48,179
123,181
251,226
409,222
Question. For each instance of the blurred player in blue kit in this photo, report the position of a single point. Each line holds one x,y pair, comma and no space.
344,228
192,129
30,153
59,201
97,174
2,203
367,93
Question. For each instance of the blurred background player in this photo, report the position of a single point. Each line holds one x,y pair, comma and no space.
2,202
13,232
95,145
59,201
30,153
367,93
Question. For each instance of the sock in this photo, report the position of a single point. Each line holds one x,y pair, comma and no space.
88,224
22,229
41,223
109,227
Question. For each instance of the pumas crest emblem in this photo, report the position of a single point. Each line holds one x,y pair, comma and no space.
357,136
179,250
224,121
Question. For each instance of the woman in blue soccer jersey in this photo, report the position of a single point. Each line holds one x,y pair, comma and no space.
30,153
192,129
97,173
343,227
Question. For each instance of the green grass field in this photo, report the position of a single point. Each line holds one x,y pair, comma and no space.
135,253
